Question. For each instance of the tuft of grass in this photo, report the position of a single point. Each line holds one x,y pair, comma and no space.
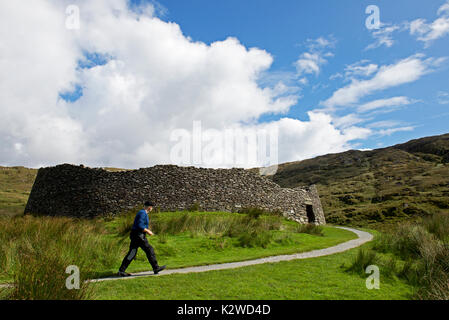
124,222
162,238
226,225
425,250
438,225
37,250
41,276
255,238
255,212
284,239
195,207
362,260
309,229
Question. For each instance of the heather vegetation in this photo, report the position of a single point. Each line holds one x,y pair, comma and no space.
379,188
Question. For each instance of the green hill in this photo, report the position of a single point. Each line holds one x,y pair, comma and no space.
376,187
15,187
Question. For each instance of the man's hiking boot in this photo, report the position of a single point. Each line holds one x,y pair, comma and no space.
159,269
123,274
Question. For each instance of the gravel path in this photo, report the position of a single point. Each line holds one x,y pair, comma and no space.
363,237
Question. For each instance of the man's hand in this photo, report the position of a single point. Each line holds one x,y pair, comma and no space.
148,231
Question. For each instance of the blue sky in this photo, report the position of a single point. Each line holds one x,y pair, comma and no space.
283,27
111,82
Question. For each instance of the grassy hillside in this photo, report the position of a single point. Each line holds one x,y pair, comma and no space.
15,187
377,187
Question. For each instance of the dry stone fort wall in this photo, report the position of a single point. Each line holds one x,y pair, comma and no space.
68,190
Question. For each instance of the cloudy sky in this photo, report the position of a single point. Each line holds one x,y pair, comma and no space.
110,88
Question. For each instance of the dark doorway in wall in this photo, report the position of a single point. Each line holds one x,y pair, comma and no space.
310,213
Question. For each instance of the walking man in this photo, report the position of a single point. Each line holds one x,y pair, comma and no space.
138,240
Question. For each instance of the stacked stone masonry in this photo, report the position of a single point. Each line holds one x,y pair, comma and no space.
68,190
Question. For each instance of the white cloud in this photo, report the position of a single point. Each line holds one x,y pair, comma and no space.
384,103
156,80
321,43
429,32
310,62
389,132
404,71
443,97
347,120
360,69
336,76
383,36
444,9
303,81
384,124
388,127
320,133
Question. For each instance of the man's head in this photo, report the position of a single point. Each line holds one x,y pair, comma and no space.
148,206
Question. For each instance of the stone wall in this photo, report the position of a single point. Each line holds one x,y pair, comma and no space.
68,190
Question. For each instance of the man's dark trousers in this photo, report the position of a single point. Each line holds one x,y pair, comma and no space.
139,240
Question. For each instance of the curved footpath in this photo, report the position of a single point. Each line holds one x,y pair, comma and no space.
363,237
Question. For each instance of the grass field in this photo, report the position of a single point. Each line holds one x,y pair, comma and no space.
317,278
32,248
189,249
